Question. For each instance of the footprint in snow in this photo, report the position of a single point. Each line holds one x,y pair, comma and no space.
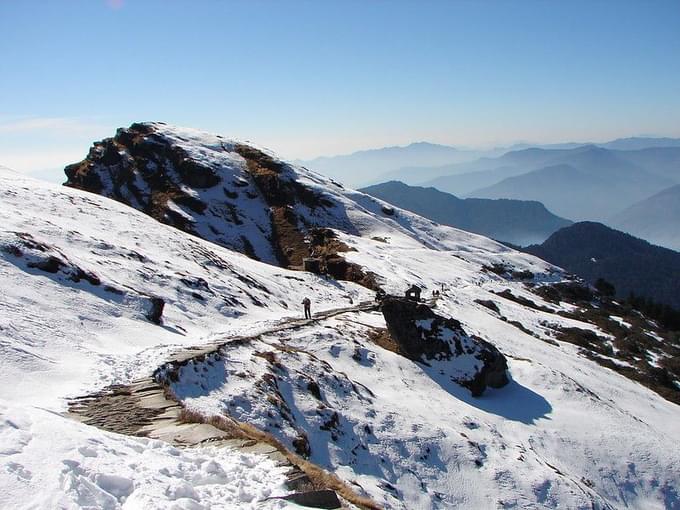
19,470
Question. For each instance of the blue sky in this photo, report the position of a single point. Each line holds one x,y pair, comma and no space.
324,77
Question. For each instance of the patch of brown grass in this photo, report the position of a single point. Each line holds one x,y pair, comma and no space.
223,423
319,478
381,337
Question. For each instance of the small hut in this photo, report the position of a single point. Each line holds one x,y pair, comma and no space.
413,293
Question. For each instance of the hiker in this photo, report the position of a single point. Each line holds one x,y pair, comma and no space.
307,304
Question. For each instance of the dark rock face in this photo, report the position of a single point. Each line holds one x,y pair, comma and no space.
571,292
143,169
488,304
422,335
155,310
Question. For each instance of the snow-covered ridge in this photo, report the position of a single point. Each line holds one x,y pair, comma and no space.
209,186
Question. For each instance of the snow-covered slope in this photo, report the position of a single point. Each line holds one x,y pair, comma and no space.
62,338
81,279
49,461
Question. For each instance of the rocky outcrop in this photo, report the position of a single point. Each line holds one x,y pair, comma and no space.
35,256
426,337
226,192
143,169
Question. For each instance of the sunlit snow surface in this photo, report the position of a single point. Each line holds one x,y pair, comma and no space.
564,433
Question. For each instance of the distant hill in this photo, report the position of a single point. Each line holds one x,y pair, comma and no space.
499,163
592,250
663,161
582,184
640,142
362,167
514,221
656,219
465,178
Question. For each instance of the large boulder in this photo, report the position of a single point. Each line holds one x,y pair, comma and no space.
425,337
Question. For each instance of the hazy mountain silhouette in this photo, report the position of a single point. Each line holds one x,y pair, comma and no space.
656,219
360,168
640,142
585,183
420,163
467,178
464,178
514,221
592,250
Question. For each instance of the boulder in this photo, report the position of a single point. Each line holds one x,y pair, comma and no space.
425,337
154,310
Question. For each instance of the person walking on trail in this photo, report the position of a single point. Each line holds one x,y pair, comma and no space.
308,311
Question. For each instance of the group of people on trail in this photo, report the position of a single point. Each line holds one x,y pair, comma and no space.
412,293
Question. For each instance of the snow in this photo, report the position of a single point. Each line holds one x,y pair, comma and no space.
565,433
562,420
620,321
60,339
49,461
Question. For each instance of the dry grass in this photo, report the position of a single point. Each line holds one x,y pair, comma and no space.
222,423
319,478
381,337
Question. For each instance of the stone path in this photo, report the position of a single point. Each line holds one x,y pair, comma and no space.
144,408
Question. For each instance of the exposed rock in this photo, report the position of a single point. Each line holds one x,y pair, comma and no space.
38,255
155,311
144,170
389,211
572,292
488,304
201,188
426,337
507,294
327,248
315,499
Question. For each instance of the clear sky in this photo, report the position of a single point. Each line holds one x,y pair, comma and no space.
309,78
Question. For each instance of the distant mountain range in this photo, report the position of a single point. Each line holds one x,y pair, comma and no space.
420,162
640,142
656,219
468,177
586,184
362,167
515,221
592,250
